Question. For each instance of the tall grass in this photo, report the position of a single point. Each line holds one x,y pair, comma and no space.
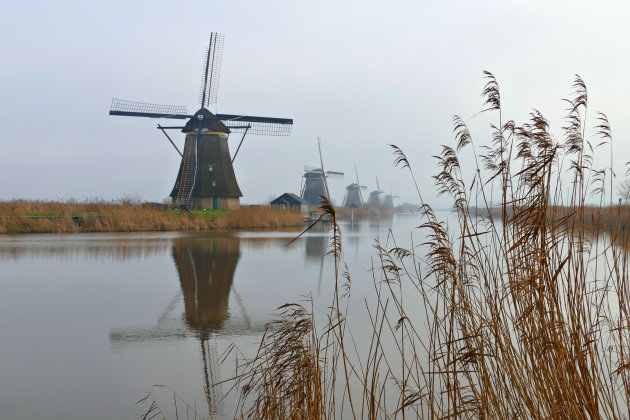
124,216
520,310
520,313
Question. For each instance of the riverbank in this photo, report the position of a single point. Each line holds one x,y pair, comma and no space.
589,216
347,213
20,216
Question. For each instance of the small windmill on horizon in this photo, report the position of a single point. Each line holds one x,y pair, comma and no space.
354,197
375,196
389,198
316,181
206,178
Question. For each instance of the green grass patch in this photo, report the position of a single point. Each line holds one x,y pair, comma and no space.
210,214
206,214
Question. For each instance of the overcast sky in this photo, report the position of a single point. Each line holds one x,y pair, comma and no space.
359,74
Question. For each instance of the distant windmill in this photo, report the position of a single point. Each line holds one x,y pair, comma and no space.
206,176
375,196
354,198
389,198
315,181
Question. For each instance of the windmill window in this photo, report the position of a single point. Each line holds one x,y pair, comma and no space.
211,168
214,184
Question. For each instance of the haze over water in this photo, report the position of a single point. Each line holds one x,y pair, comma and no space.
91,321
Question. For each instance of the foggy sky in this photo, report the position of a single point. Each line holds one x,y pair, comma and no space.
358,74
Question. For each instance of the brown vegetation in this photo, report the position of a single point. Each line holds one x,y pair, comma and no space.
519,316
595,217
525,315
66,217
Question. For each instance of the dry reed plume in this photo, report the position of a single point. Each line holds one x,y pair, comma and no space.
521,313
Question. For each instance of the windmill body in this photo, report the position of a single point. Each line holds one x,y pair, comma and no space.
389,200
206,178
315,181
375,199
353,196
314,187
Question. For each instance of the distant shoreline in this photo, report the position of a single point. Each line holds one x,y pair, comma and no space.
26,217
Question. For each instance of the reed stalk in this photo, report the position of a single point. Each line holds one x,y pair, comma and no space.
516,310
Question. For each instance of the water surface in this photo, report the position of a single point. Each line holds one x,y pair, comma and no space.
89,322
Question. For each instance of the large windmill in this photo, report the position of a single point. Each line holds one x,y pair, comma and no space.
316,181
206,177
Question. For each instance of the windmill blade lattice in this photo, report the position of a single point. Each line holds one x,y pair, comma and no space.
212,70
145,109
266,126
263,129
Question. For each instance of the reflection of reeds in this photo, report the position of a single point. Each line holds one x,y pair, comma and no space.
521,315
20,216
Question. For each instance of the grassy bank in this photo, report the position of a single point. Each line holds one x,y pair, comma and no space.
21,216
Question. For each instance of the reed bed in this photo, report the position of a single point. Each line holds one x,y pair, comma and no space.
124,216
521,312
595,217
524,310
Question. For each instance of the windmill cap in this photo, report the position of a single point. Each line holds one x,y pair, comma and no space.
205,120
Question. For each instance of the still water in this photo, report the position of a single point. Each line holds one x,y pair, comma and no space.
89,322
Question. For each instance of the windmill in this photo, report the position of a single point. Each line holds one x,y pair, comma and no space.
389,198
375,196
206,179
315,181
354,198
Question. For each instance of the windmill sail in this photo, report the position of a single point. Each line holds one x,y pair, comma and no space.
321,160
145,109
212,70
358,183
265,126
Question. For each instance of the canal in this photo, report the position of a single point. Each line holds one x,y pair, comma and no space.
90,322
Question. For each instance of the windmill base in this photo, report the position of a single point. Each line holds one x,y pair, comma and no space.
214,203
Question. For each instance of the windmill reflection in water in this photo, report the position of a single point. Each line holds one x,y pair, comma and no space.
206,267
